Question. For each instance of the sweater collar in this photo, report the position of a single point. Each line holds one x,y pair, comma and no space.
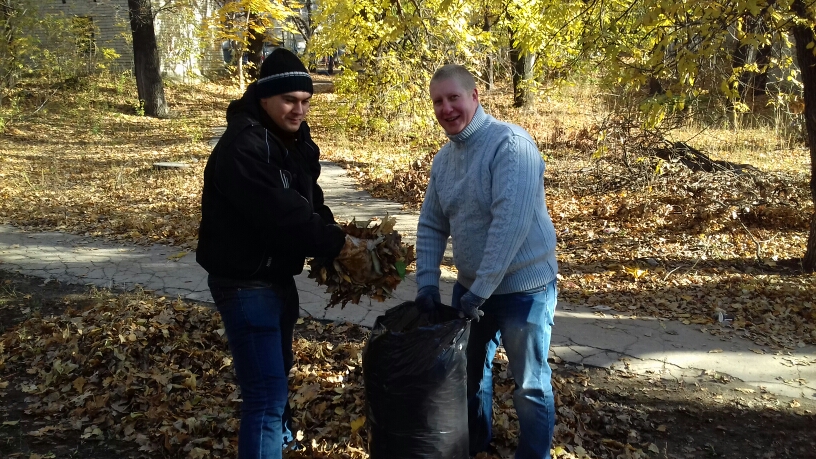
478,120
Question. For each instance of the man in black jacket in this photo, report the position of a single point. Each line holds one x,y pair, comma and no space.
262,215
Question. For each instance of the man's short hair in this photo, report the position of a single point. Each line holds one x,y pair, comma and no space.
460,73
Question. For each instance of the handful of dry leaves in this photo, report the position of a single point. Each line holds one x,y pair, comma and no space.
373,262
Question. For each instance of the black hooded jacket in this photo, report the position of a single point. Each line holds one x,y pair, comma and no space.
262,211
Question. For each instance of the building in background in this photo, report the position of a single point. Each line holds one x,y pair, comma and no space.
106,24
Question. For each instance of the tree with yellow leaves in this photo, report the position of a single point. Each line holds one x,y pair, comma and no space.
683,51
246,25
690,50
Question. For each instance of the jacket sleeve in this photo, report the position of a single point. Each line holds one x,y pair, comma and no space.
250,176
320,206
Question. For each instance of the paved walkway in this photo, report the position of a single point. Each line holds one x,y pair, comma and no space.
581,336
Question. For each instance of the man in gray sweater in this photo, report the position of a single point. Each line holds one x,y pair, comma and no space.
486,192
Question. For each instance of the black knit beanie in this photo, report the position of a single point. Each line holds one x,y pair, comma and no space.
282,72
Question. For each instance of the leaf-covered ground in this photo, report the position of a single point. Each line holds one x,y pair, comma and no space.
640,235
84,164
97,374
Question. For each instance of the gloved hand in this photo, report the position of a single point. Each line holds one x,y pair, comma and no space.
428,298
332,230
469,306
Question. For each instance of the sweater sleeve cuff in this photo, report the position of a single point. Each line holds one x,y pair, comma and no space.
428,278
481,289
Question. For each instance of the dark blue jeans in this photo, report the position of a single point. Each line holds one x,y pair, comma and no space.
523,322
260,325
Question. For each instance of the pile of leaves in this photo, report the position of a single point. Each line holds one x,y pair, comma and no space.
135,368
685,245
374,268
157,373
154,376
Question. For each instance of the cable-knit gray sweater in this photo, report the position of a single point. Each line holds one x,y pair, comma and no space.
487,192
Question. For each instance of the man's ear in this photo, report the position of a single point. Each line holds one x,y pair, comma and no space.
476,95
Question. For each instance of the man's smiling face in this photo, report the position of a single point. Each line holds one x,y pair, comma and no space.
454,106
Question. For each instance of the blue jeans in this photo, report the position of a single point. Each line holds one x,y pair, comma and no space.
523,321
260,325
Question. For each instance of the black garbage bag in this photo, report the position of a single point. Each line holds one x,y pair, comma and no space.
414,371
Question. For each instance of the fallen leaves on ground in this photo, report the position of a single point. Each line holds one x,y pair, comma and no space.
156,374
84,164
374,267
691,245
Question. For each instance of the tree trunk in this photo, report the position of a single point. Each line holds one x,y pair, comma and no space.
8,65
146,59
752,83
489,83
517,64
241,50
522,69
490,78
308,26
254,49
803,36
240,69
